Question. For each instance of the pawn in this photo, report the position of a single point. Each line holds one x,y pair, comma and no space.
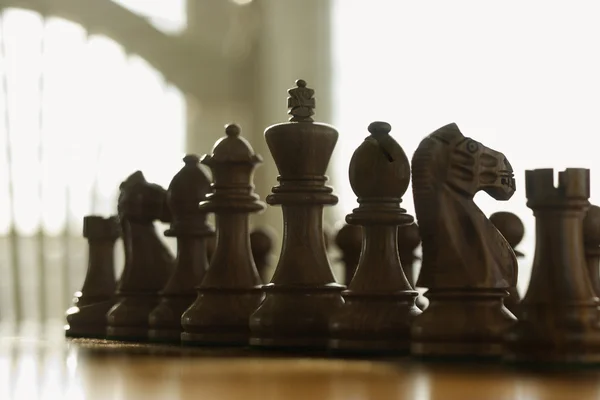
591,240
380,302
148,261
349,241
187,189
513,230
87,317
261,242
408,241
511,227
231,288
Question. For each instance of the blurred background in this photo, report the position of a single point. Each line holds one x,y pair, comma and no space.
92,90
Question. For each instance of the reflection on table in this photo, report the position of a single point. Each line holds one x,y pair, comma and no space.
39,363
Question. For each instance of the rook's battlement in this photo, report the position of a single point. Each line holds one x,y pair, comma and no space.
573,184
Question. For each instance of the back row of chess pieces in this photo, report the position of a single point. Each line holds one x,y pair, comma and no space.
469,267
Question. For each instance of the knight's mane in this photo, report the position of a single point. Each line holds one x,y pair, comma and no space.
425,166
448,134
424,182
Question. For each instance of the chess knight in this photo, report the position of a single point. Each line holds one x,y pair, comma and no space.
468,266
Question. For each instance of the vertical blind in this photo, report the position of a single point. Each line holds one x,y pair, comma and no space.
77,115
520,77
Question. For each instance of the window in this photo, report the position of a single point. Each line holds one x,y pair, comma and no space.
167,15
521,77
77,116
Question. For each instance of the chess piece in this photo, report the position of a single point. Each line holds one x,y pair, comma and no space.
187,189
513,230
87,317
261,243
148,261
511,227
558,316
303,293
408,241
230,290
591,240
349,240
380,302
467,265
327,234
211,244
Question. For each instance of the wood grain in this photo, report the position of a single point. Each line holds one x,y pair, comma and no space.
58,368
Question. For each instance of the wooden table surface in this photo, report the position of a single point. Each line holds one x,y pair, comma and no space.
40,363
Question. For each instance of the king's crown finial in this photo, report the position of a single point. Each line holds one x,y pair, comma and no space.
301,102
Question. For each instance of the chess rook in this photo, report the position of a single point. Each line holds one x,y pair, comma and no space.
230,290
558,317
303,293
187,189
380,302
87,317
467,265
591,240
148,261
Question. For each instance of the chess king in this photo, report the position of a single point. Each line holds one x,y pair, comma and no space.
468,267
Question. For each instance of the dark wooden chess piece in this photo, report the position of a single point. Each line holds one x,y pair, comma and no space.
230,290
380,302
327,236
87,317
148,261
211,244
511,227
408,241
513,230
349,241
187,189
591,240
467,265
558,316
303,293
261,243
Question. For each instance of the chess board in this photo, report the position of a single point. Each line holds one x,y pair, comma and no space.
46,365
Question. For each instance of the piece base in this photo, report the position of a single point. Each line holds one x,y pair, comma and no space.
564,334
92,332
291,343
88,320
551,359
457,349
214,339
164,335
373,322
295,317
382,347
465,323
127,334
